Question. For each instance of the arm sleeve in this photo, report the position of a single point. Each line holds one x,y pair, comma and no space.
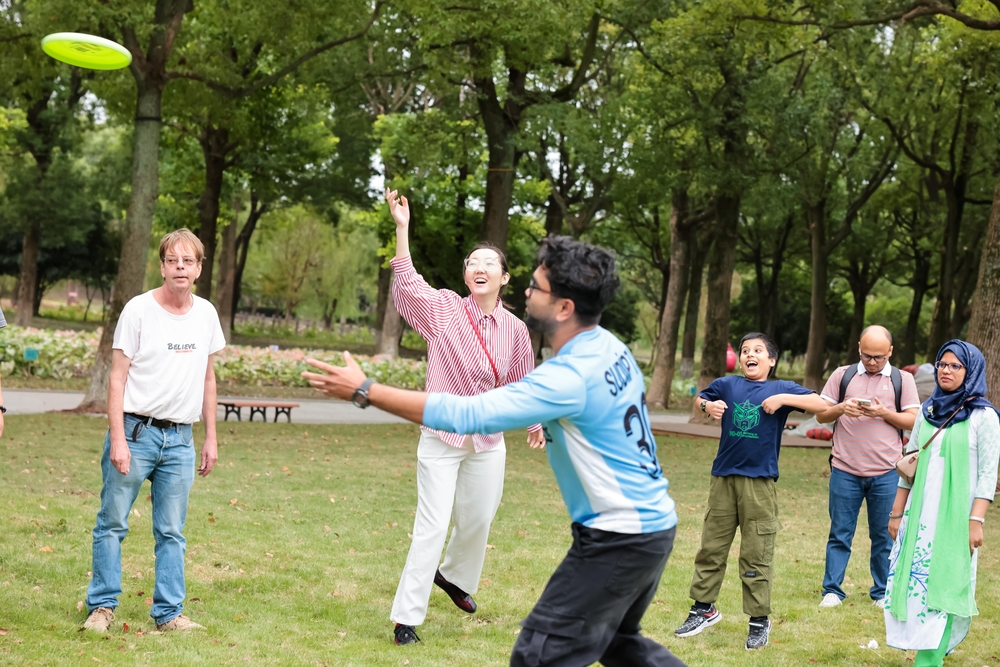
127,332
988,444
789,387
908,397
522,362
831,391
552,391
218,338
713,392
424,308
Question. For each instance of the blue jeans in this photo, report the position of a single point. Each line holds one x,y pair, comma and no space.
166,458
846,493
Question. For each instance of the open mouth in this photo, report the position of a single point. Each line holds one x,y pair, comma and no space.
481,281
751,364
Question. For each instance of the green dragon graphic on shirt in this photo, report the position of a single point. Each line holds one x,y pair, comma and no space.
746,416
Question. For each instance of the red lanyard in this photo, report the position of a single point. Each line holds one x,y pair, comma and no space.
482,342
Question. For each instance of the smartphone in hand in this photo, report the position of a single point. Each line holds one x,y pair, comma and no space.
864,402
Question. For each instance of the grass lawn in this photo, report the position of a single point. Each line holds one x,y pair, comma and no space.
296,540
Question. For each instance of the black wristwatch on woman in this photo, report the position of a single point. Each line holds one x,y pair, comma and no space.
703,404
3,410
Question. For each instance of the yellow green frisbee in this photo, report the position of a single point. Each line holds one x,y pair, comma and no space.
90,51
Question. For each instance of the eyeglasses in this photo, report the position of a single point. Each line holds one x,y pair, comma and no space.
174,261
487,264
533,287
878,360
944,365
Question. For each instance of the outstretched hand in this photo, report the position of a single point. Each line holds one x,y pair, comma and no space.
398,207
336,382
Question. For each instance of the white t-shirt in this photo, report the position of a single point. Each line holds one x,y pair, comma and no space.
169,356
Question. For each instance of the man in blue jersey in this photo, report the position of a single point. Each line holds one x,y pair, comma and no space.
590,398
742,495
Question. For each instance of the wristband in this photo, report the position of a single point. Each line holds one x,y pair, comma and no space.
980,519
703,404
896,516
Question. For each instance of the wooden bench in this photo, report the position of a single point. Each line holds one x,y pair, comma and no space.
257,407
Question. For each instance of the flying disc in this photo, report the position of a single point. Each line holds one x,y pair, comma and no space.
88,51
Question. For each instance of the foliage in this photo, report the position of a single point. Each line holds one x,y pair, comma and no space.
64,354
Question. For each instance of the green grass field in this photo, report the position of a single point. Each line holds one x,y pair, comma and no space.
296,540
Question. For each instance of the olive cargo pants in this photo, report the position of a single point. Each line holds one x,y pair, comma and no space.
750,504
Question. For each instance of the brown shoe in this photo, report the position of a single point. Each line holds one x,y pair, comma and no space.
179,623
100,619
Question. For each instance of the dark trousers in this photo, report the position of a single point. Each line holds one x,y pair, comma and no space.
591,607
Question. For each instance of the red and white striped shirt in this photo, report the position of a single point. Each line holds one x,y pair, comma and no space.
456,361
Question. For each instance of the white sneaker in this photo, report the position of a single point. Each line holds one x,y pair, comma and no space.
881,603
831,600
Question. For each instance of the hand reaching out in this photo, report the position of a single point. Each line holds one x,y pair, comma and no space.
398,207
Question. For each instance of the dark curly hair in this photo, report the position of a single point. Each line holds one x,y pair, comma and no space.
580,272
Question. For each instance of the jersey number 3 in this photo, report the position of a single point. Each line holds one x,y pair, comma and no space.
647,449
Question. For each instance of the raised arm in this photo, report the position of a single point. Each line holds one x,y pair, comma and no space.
400,210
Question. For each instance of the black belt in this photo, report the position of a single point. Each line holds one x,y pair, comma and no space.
152,421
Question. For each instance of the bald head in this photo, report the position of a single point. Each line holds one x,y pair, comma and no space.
875,348
876,333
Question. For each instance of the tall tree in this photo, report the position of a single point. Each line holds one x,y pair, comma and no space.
150,45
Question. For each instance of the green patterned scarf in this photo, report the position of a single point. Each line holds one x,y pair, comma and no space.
949,582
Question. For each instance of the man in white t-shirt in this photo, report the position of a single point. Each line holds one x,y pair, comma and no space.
162,381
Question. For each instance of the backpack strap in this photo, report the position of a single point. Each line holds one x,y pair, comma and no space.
897,388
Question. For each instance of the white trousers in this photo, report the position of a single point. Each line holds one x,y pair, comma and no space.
456,484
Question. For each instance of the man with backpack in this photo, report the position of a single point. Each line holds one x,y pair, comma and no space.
872,404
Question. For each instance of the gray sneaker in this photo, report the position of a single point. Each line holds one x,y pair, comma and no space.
179,623
759,632
100,619
698,620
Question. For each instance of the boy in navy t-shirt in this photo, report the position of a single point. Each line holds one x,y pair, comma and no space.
742,495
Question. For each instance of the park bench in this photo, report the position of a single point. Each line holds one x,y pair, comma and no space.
257,407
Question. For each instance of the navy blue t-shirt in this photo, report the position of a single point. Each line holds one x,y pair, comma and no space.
751,438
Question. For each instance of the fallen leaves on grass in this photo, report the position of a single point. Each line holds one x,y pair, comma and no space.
125,627
46,549
149,601
3,631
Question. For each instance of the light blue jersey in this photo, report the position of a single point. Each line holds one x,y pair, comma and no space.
592,402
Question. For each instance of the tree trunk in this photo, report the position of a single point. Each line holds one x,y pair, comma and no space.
501,123
984,326
243,249
214,146
382,299
149,72
28,281
227,277
499,184
816,345
941,323
389,332
135,243
698,253
720,282
857,323
666,352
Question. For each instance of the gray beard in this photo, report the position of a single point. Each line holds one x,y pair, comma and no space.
541,326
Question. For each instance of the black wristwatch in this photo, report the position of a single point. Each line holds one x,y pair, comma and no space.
3,410
703,404
360,395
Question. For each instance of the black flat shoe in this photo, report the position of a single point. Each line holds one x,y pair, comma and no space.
461,599
405,634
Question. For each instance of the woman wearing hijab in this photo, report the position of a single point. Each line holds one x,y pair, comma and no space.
937,522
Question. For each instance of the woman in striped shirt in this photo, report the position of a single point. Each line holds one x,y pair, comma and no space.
473,345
